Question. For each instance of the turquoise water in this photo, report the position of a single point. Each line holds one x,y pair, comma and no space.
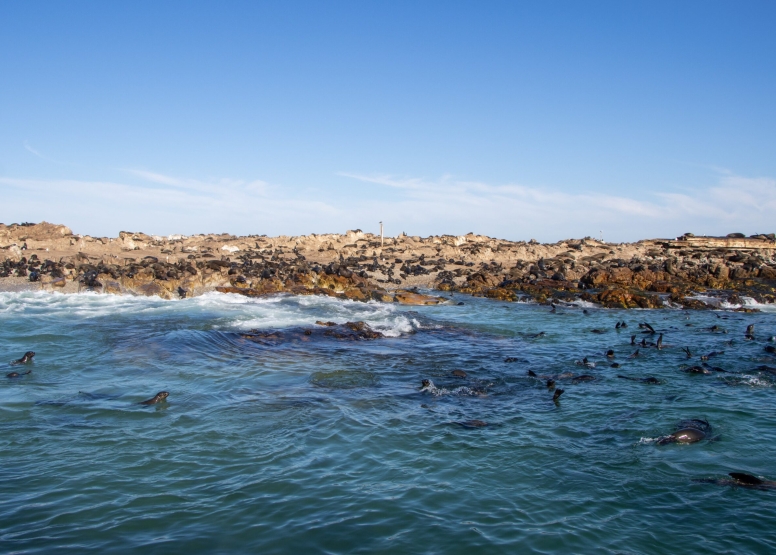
309,443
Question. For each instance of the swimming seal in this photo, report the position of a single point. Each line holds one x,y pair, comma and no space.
740,479
688,431
459,373
158,398
17,375
696,370
649,379
585,362
472,424
25,359
557,394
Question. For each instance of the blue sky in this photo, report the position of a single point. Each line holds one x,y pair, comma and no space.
541,120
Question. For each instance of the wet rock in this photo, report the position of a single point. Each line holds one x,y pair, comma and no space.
411,298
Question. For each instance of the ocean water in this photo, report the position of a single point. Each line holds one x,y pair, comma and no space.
294,443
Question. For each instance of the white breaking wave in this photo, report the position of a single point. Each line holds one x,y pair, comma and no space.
228,311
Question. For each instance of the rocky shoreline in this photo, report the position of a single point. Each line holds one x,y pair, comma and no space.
362,266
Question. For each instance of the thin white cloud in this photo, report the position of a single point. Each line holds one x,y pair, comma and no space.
734,203
104,207
29,148
215,187
162,204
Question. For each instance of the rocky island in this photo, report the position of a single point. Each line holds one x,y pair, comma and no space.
689,271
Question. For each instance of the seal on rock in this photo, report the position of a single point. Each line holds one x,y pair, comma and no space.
158,398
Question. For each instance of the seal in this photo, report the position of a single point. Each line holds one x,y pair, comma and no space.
584,362
17,375
557,394
472,424
458,373
649,379
158,398
740,479
696,370
688,431
26,358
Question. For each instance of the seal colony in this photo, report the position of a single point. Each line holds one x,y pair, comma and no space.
360,266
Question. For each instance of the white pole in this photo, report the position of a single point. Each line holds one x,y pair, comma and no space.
381,234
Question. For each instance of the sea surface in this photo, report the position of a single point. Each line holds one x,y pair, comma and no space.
278,441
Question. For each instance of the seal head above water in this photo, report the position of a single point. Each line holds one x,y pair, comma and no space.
25,359
158,398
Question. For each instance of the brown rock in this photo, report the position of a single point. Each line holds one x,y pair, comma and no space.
501,294
153,289
766,272
111,287
408,297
